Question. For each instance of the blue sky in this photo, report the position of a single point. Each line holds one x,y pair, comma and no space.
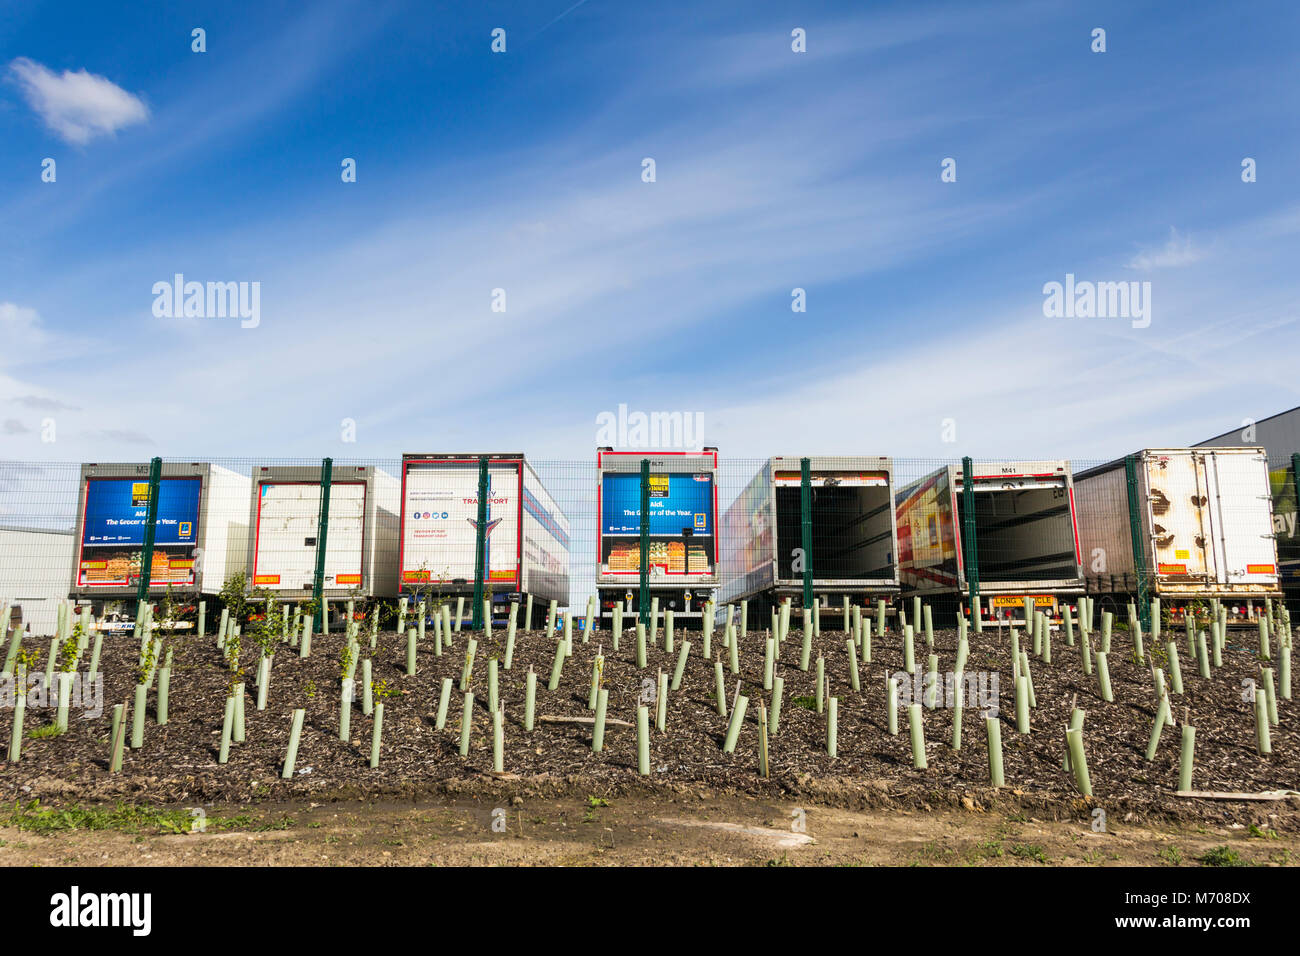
522,171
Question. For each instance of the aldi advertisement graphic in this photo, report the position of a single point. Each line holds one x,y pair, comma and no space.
116,510
677,501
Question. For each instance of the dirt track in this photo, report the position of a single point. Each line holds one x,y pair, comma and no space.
641,830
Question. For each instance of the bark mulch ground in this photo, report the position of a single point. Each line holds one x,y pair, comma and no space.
178,761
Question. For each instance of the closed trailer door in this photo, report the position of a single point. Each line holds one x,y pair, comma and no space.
1178,493
1245,519
440,524
287,527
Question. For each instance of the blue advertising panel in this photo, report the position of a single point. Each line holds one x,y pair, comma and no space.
677,501
116,509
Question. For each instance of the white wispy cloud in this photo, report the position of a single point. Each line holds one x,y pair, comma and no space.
1177,251
20,329
78,106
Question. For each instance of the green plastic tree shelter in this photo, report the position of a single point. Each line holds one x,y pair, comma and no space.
968,536
322,531
645,543
1139,552
150,531
480,543
805,523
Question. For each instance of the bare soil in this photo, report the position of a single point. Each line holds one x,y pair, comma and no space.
662,830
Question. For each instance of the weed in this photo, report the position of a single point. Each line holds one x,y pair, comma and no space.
1222,856
1028,851
35,817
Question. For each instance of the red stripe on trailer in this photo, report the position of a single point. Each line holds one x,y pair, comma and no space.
1074,520
716,555
401,535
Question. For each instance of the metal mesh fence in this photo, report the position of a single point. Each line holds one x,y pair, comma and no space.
718,530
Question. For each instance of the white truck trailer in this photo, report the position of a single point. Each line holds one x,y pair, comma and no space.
1026,537
360,541
682,530
526,535
1204,524
201,534
34,575
853,533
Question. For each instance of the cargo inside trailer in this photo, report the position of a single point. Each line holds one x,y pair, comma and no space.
852,532
1022,534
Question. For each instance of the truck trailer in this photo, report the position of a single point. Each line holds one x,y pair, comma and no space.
34,575
201,534
1204,521
854,535
360,541
1026,538
681,524
526,537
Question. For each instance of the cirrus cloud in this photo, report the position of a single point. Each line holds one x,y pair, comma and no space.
77,106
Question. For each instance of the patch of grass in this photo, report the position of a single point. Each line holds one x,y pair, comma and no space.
594,801
44,731
1171,854
1255,831
35,817
989,849
932,852
1222,856
1028,851
807,702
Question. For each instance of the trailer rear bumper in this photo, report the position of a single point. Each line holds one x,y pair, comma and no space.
1182,590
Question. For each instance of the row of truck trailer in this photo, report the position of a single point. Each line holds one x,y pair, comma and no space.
1195,524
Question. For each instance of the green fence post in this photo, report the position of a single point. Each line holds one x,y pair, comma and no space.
150,530
1139,552
322,530
968,536
805,522
645,543
480,544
